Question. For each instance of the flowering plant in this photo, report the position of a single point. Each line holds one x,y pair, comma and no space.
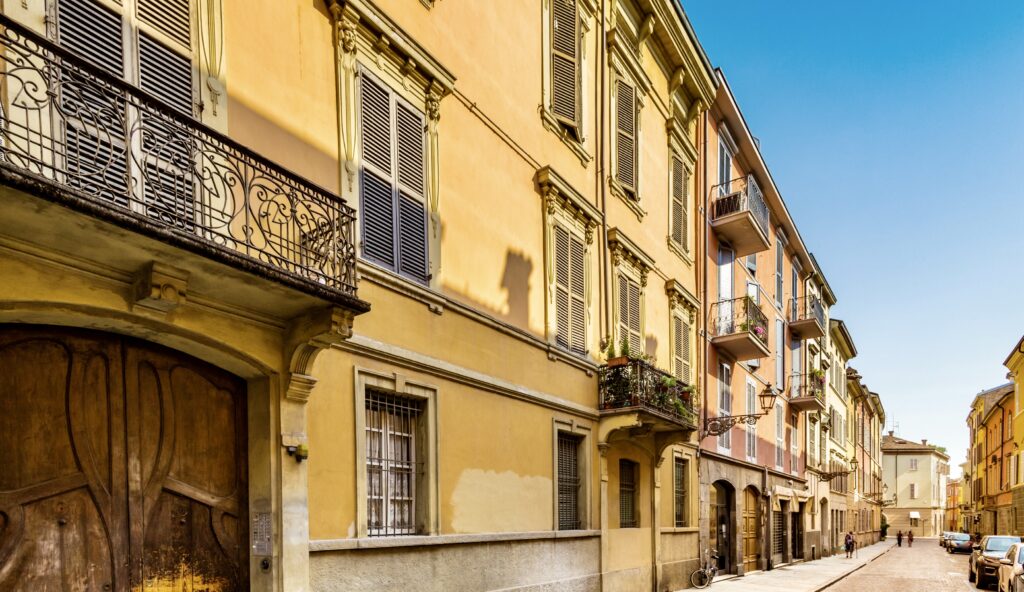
759,331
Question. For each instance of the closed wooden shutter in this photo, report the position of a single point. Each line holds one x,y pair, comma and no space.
165,74
679,221
681,348
625,139
565,63
92,32
412,211
570,304
376,199
170,17
629,313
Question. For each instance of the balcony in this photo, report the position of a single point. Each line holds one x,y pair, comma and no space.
806,317
807,392
633,386
739,215
740,328
76,136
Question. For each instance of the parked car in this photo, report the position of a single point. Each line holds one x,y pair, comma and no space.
1011,566
960,542
942,539
983,564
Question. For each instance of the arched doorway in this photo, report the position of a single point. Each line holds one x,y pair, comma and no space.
751,529
721,517
826,529
122,465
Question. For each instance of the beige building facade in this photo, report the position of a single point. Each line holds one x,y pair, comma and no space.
914,475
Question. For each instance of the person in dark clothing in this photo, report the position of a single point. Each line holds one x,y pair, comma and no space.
910,538
849,544
899,539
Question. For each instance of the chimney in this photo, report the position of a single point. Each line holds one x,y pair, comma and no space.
925,442
890,433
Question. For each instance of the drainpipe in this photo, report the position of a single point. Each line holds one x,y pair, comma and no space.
702,351
600,67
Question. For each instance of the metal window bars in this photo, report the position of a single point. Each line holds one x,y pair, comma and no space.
568,482
393,468
627,494
741,194
91,141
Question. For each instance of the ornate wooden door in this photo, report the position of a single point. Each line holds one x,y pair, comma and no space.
750,537
122,466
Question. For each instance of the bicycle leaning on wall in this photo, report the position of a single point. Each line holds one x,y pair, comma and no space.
702,577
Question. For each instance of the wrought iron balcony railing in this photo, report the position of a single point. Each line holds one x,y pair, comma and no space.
740,195
91,141
809,385
739,315
636,384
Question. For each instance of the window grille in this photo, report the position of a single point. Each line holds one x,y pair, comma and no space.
778,531
568,482
627,494
392,464
681,472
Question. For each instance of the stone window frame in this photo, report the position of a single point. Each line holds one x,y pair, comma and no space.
680,147
683,304
366,39
567,208
585,460
588,13
624,64
630,261
692,502
428,494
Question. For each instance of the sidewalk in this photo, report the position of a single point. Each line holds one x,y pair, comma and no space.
809,576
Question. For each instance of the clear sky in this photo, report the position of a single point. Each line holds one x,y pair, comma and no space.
895,131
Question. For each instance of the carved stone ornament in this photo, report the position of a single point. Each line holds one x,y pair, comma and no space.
160,288
309,336
348,35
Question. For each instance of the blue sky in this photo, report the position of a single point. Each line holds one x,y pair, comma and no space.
895,131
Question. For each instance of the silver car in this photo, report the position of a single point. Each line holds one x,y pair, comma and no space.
1011,566
983,565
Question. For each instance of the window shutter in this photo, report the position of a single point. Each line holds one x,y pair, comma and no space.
562,286
577,289
634,318
625,142
92,32
412,220
377,202
568,482
565,62
678,202
165,74
170,17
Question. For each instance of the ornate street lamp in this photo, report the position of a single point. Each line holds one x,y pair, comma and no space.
830,475
716,426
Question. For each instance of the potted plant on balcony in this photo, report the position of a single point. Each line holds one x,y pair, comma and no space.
613,360
819,376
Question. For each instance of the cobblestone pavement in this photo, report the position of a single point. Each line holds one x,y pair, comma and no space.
925,567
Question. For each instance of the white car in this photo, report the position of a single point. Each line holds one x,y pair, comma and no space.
1011,566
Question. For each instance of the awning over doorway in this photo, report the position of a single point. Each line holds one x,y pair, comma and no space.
915,515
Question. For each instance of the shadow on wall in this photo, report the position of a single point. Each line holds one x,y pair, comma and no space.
516,282
651,347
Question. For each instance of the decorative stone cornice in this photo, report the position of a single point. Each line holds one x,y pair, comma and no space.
160,288
623,249
680,297
559,194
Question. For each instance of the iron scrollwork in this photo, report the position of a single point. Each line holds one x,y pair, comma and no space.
716,426
90,135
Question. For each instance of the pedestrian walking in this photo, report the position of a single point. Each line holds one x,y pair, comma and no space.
899,539
910,538
849,544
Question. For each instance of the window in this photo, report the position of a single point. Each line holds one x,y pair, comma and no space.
565,66
913,464
625,137
629,313
751,264
392,463
570,285
794,289
568,481
392,198
627,494
915,522
913,491
779,249
751,408
155,43
681,348
794,446
681,473
725,402
780,352
780,436
680,218
724,167
754,293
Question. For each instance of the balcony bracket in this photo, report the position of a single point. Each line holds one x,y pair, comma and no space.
310,335
716,426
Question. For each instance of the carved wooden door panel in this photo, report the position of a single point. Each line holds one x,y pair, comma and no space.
122,466
750,536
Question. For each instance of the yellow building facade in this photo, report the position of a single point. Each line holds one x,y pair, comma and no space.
358,305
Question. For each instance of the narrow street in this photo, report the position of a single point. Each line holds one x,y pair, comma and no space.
925,567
